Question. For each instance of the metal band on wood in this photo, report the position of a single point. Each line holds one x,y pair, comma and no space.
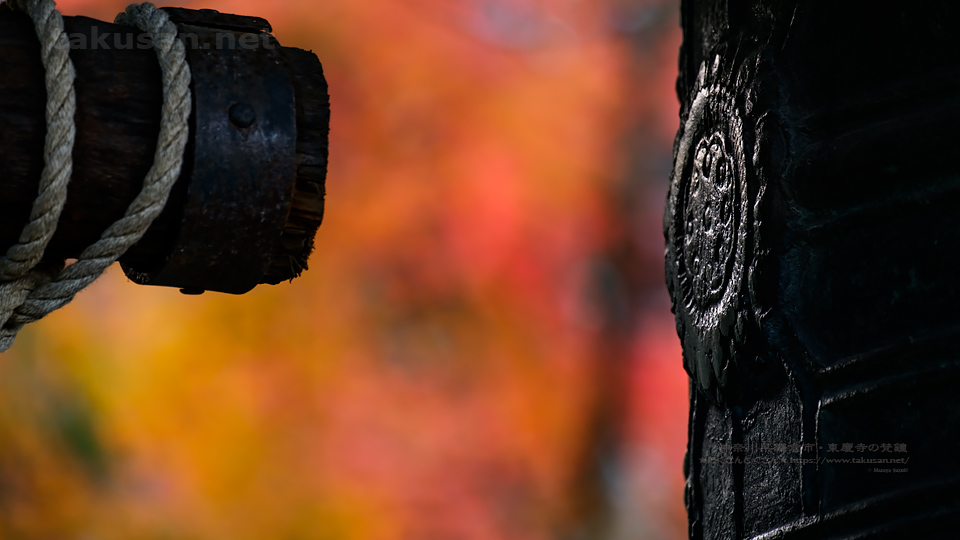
244,101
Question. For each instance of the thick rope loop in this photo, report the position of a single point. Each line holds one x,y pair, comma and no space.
58,146
36,296
19,274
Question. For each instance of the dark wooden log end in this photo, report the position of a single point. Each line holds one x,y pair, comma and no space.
313,127
118,89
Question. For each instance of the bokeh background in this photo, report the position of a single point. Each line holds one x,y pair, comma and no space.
482,348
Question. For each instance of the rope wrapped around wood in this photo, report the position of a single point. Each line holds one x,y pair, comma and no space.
31,288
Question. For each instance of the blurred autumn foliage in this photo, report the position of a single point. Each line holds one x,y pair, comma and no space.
481,349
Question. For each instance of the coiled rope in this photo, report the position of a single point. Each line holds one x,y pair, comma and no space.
31,288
